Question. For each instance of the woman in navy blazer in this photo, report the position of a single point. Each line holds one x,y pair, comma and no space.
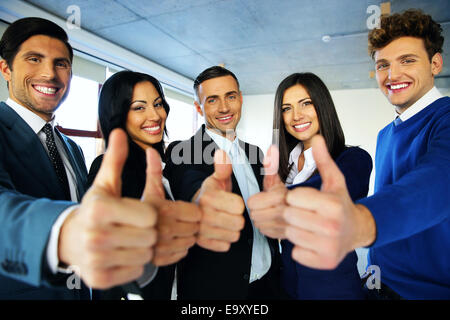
304,108
135,102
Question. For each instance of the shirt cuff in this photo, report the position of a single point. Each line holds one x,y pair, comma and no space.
52,247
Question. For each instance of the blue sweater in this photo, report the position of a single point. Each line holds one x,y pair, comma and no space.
411,204
344,282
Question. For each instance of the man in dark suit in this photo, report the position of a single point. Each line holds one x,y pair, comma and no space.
44,235
248,268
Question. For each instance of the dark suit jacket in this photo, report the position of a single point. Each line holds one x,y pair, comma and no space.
205,274
133,183
30,202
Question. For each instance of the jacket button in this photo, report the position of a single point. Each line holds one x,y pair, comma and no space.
246,277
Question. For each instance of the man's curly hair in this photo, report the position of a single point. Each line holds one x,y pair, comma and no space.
410,23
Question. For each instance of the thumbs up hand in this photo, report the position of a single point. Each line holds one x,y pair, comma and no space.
325,225
107,237
178,221
267,207
222,210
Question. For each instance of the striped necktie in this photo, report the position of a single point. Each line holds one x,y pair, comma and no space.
56,159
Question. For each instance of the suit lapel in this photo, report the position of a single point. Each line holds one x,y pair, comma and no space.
30,151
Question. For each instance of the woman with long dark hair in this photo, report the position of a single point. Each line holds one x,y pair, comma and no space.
135,102
303,109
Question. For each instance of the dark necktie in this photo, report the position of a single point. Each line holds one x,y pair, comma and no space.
56,159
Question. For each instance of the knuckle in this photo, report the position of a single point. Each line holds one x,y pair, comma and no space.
97,212
234,236
206,198
151,216
102,280
335,205
332,227
93,239
240,222
151,254
224,247
152,237
210,219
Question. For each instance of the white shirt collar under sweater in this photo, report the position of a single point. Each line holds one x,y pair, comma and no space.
427,99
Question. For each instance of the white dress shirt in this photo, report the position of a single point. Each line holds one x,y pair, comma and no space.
261,256
294,176
428,98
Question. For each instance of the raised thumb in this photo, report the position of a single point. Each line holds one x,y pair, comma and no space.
223,169
271,165
153,181
332,178
109,176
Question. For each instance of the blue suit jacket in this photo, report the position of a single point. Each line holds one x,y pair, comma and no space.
30,202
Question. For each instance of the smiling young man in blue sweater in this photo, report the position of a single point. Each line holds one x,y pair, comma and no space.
406,222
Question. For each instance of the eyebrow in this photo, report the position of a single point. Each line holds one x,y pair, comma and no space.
40,55
399,58
211,97
145,101
226,94
299,101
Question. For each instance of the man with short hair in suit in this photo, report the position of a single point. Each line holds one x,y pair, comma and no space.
44,235
249,267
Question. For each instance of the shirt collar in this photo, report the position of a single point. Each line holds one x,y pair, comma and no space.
295,155
222,142
309,159
427,99
33,120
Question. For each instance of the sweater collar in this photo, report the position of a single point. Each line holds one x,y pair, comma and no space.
427,99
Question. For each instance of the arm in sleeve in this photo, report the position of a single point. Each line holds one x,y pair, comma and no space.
420,199
356,166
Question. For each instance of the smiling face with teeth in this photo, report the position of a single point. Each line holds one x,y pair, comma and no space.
404,71
220,102
147,116
39,77
299,114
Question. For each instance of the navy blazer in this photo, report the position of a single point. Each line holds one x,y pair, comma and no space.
30,202
303,283
204,274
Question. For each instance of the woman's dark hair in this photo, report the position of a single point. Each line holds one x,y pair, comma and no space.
330,127
21,30
115,100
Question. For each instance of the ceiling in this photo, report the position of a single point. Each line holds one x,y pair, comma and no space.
261,41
